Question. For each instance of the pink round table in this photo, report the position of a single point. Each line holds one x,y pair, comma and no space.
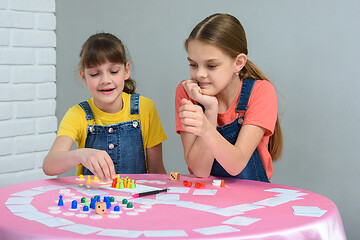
242,209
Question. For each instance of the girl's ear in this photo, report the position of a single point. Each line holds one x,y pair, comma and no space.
240,62
82,75
127,71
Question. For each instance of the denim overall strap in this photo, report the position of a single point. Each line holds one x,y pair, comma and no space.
134,104
254,169
87,109
122,141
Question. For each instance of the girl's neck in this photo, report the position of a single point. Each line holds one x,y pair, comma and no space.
113,107
227,96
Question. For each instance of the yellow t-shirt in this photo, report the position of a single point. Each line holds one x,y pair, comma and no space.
74,123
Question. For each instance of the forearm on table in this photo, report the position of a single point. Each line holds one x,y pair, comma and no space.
199,159
229,156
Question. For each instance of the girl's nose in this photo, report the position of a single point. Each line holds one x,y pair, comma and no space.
105,78
201,73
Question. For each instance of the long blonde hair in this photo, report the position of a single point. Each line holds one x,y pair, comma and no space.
101,47
227,33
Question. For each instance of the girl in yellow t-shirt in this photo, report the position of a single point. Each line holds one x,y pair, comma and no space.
117,130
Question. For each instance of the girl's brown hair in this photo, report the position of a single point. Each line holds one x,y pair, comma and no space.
101,47
227,33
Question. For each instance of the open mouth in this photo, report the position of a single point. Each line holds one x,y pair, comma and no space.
107,90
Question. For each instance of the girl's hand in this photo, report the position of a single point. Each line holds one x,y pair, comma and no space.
193,118
195,93
98,162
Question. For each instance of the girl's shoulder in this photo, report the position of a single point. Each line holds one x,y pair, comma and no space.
263,88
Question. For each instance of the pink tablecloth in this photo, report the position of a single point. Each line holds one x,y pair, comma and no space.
242,210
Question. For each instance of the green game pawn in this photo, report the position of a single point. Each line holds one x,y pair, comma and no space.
129,205
86,202
132,184
121,184
82,200
124,201
112,199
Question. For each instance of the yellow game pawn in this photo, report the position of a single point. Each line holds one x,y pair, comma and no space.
117,183
96,179
88,179
81,177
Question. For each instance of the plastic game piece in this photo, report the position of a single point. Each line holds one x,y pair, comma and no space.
100,207
74,204
112,199
82,200
134,182
88,179
129,205
202,184
108,203
86,203
85,208
185,183
132,186
118,183
189,184
128,183
222,184
92,203
121,184
96,179
175,176
124,201
117,209
197,185
81,177
61,202
113,185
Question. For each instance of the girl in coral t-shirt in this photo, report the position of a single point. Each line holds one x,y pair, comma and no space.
226,114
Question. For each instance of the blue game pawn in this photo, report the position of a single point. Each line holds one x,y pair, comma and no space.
85,208
92,203
116,209
61,202
74,204
108,203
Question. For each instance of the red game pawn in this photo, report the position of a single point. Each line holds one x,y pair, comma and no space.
185,183
189,184
113,185
197,185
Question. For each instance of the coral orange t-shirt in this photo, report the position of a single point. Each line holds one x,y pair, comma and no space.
262,112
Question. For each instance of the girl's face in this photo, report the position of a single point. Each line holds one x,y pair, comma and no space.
213,69
106,83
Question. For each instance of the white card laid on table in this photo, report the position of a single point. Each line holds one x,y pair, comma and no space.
120,233
19,200
165,233
81,228
308,211
216,230
241,221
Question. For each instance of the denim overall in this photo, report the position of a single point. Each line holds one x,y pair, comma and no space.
254,170
122,141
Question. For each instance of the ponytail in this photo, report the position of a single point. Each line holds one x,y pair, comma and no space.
276,140
129,86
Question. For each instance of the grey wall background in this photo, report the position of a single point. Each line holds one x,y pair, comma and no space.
309,49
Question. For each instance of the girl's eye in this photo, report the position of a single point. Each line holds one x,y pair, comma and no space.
192,65
93,74
212,66
114,72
